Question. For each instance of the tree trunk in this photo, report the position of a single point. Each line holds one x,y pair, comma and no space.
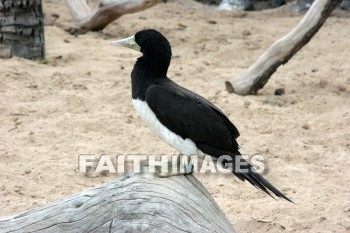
282,50
21,29
133,203
106,12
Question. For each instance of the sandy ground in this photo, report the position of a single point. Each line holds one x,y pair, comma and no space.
78,101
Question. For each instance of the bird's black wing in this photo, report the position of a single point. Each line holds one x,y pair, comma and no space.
191,116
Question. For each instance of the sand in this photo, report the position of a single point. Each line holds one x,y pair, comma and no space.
78,101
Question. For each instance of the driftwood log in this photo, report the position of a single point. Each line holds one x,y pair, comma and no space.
133,203
282,50
106,12
21,29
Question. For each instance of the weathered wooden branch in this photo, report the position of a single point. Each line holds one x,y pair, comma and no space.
282,50
21,29
133,203
106,12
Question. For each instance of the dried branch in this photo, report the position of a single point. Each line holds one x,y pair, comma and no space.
106,12
282,50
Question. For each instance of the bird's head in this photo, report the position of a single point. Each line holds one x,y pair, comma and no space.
154,46
150,42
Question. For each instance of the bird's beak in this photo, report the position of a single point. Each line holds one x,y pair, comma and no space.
128,43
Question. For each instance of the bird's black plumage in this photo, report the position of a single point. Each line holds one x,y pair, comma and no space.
184,112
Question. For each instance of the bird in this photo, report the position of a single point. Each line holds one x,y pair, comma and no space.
183,119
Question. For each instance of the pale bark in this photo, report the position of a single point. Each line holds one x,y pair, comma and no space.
106,12
282,50
133,203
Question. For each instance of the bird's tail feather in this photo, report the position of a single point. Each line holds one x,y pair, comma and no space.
247,172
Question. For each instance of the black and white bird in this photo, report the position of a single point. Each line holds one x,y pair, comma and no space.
183,119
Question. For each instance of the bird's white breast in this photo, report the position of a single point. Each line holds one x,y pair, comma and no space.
184,146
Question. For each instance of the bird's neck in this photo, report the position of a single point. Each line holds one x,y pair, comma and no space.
155,62
148,71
